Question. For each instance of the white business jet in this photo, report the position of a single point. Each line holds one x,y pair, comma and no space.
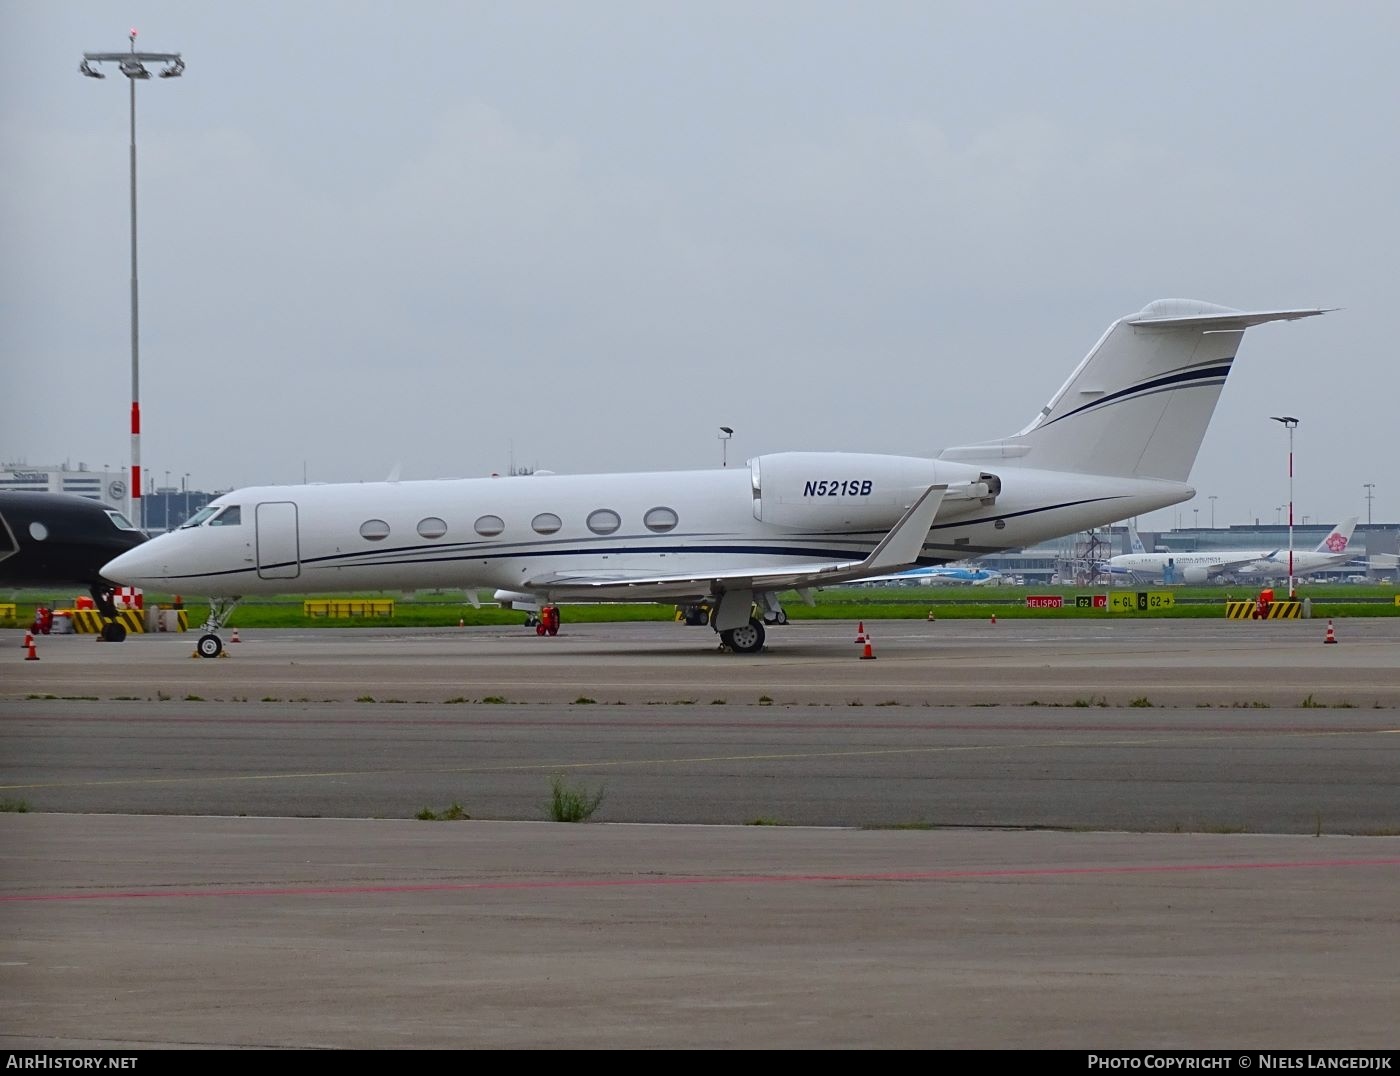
1117,440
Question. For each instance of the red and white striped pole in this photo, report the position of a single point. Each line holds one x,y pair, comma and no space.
132,65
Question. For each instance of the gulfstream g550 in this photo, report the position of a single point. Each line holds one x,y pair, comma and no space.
1117,440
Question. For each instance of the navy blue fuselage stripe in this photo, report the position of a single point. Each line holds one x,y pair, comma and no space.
413,552
1210,375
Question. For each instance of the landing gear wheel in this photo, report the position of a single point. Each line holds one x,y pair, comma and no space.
113,632
745,640
696,615
210,646
780,617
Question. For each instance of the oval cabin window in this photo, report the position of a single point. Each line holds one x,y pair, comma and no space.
660,520
604,521
546,523
490,526
374,530
432,527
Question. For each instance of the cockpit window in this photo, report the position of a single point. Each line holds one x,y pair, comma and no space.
200,516
216,515
121,522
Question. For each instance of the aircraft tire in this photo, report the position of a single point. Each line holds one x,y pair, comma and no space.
745,640
209,646
113,632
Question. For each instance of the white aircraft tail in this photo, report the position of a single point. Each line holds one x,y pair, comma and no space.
1337,542
1134,542
1138,405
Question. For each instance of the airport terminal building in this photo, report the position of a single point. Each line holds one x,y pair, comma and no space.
166,507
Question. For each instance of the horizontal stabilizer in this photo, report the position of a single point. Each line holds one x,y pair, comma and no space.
1241,319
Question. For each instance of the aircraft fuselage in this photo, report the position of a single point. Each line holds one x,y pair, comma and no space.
510,532
59,539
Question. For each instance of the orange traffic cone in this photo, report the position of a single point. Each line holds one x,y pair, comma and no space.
860,633
235,638
1331,636
461,622
28,640
33,654
930,616
869,652
994,618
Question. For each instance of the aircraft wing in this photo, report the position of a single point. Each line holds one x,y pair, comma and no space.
898,549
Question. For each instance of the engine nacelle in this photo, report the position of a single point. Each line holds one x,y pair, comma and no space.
1195,575
859,490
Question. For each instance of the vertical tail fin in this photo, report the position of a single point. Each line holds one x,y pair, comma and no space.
1339,539
1135,542
1139,403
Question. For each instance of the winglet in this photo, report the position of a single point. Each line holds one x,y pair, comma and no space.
901,547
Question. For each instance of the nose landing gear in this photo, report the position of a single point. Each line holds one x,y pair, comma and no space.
220,609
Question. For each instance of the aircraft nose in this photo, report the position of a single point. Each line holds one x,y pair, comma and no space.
136,567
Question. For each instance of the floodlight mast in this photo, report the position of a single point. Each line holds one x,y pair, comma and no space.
1291,424
132,64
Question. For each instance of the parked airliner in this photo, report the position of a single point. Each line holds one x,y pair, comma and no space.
939,574
1118,439
1202,565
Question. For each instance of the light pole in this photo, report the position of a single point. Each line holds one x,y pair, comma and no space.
1196,518
132,64
1290,423
1212,511
725,433
185,489
1369,487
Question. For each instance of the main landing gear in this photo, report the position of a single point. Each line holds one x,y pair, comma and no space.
745,636
745,639
220,609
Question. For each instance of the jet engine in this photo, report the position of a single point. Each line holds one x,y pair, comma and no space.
859,490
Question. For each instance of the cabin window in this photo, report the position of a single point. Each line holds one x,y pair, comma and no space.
432,527
374,530
490,526
604,521
38,531
546,523
229,516
660,519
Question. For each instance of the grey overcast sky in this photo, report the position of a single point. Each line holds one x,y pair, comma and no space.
582,236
